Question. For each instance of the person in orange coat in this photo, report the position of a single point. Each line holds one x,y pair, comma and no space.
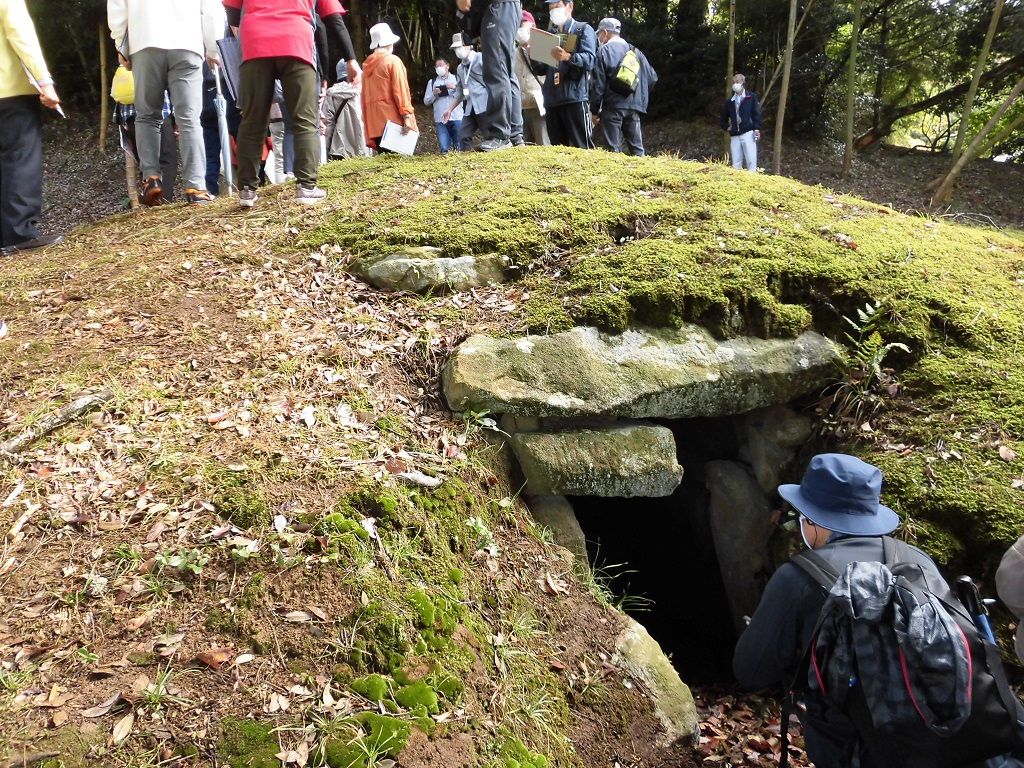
386,93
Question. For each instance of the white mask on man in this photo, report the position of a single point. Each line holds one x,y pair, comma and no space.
803,534
558,16
441,71
523,35
737,87
462,53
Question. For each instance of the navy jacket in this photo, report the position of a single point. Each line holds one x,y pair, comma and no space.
748,114
574,74
771,647
609,57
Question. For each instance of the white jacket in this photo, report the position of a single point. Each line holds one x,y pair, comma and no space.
171,25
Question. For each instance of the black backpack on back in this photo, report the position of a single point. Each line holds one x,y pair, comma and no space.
991,728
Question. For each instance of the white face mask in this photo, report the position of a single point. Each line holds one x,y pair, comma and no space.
462,53
737,88
558,16
803,534
441,71
523,35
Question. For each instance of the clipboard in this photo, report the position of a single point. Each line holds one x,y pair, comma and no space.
541,44
394,141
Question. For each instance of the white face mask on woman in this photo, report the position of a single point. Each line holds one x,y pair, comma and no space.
441,71
523,35
558,16
462,53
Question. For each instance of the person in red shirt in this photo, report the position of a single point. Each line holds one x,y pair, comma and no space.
278,44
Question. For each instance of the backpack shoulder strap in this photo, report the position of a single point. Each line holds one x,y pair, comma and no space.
817,567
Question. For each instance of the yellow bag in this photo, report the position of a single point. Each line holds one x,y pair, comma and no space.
122,90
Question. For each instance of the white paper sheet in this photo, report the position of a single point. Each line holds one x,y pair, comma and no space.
395,141
541,44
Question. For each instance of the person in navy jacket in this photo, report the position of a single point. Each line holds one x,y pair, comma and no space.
741,117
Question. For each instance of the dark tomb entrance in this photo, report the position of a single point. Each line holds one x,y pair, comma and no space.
659,557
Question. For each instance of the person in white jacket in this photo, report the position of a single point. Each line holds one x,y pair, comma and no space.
164,43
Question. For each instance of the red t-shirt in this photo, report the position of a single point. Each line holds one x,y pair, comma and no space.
280,27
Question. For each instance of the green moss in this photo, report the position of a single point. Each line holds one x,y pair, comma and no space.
387,736
373,688
456,575
418,695
448,686
248,744
516,755
239,501
426,614
337,523
382,643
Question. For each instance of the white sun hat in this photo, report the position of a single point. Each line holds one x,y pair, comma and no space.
381,35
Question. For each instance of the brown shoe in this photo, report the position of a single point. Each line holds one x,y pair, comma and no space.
152,192
198,196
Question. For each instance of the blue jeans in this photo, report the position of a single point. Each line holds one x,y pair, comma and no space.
211,138
448,135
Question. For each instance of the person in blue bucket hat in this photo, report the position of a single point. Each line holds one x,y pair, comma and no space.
843,520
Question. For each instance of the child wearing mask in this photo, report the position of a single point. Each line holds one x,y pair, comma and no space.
386,93
440,94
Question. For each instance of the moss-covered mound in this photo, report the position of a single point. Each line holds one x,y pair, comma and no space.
243,539
609,241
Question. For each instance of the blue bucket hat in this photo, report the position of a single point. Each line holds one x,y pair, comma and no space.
841,493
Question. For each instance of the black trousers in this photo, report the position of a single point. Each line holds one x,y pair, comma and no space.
623,125
570,125
21,169
498,43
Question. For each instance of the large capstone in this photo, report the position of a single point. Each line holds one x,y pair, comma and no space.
639,653
642,373
632,460
425,270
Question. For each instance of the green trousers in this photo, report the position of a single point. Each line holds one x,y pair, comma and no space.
301,97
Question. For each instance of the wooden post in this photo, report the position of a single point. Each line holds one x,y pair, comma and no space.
729,71
131,172
104,89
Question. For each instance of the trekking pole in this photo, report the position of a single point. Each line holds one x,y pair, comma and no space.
968,593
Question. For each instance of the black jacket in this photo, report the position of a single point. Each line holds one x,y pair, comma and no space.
771,647
609,57
573,75
743,119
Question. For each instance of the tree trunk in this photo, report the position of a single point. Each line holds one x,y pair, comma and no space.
104,97
883,125
778,67
979,69
780,113
729,70
851,88
945,190
883,52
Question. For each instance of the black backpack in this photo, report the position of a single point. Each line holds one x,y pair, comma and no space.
990,729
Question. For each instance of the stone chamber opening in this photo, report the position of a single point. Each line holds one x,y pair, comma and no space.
688,566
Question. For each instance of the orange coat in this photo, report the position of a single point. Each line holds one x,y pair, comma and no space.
385,94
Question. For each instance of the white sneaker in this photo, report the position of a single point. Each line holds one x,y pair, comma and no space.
309,195
247,197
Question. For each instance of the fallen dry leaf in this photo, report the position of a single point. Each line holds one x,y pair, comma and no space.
123,728
215,657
